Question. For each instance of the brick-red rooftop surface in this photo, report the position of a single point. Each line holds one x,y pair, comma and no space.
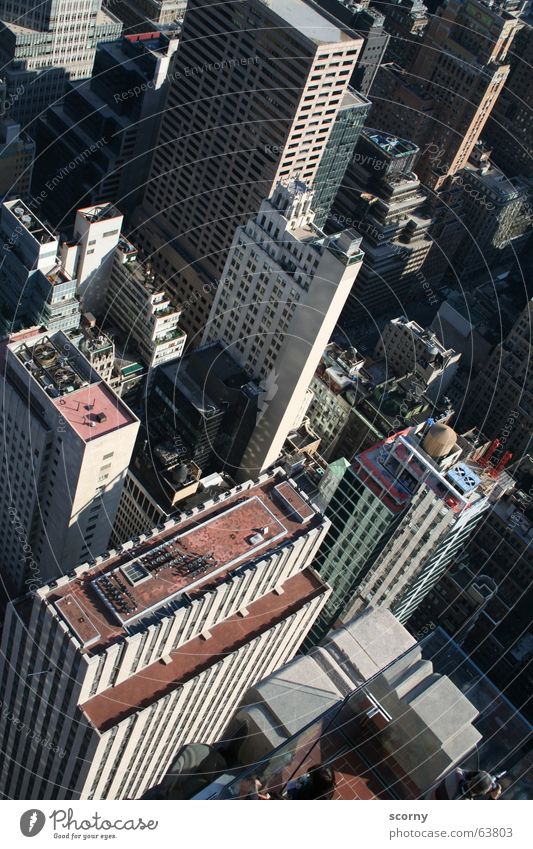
219,531
294,499
158,679
80,410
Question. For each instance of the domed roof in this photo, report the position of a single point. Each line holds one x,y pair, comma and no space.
439,440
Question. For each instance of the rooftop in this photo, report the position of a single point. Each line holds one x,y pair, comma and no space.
100,212
30,222
391,145
314,24
160,678
395,467
182,559
93,411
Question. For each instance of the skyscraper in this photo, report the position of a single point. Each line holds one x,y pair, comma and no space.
256,90
500,399
381,198
118,664
460,69
278,301
402,511
509,129
67,441
42,45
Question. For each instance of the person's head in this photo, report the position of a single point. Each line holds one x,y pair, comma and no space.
478,783
322,779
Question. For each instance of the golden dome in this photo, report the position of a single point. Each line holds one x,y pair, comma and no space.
439,440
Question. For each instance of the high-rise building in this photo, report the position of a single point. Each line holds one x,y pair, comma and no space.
400,514
381,198
338,153
484,601
495,213
136,302
405,21
500,400
45,44
67,444
282,291
35,287
111,120
90,251
256,89
121,662
369,24
444,99
17,153
508,130
141,16
408,348
205,405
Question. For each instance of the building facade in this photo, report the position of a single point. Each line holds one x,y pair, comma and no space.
175,628
399,516
268,116
68,441
43,46
279,299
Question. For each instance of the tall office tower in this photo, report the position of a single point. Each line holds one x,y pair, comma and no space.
501,397
461,68
35,288
42,45
400,514
409,348
495,212
508,130
369,24
156,644
280,296
381,199
256,90
136,302
405,22
68,442
484,601
338,153
110,121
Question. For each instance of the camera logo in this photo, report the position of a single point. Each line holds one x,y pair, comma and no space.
32,822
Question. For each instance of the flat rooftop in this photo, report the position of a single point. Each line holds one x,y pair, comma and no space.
29,221
102,603
94,411
392,145
309,21
158,679
393,469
